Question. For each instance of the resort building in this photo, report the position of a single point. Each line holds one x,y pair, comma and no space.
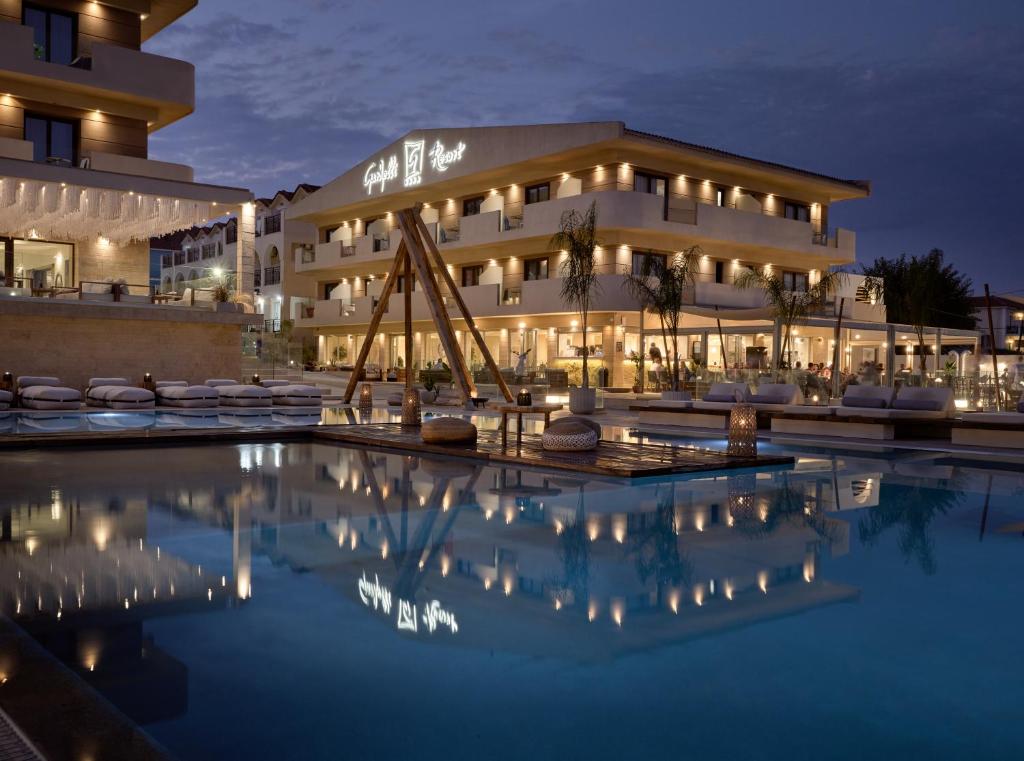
208,253
80,198
492,199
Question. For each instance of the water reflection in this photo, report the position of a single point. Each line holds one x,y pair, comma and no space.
441,551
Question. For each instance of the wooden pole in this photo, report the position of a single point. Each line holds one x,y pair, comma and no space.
992,345
836,352
461,304
431,292
721,340
378,315
407,290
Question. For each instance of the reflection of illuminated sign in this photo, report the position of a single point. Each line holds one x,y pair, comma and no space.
408,618
383,171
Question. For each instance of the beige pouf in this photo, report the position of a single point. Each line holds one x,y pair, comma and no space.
595,427
569,436
395,400
448,430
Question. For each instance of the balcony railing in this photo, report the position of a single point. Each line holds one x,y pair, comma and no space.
272,275
272,224
381,243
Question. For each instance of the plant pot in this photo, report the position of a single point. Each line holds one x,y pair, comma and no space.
675,396
636,389
582,401
225,306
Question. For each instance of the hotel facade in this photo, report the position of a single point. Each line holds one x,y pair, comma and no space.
80,198
492,199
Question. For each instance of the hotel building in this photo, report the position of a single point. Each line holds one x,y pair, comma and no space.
205,253
492,198
80,198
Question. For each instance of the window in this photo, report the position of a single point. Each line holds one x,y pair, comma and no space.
797,211
471,275
535,269
538,193
272,224
721,199
655,263
35,264
400,284
649,183
471,206
53,140
719,272
54,34
795,281
231,233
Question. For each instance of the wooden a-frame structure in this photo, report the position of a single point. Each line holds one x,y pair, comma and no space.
416,251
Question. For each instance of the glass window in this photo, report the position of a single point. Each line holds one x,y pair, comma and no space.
538,193
471,275
797,211
471,206
649,183
53,34
535,269
655,263
53,140
38,265
795,281
721,199
719,272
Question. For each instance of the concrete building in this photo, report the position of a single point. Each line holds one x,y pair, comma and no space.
79,196
492,198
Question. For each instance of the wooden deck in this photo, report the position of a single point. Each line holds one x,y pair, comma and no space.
610,459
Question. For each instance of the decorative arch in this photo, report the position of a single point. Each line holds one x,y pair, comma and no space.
179,283
273,257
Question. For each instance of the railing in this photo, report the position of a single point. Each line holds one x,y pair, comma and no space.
448,236
105,288
272,275
308,255
272,326
381,244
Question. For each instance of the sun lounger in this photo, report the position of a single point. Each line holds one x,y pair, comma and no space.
180,394
6,397
44,393
294,394
710,412
991,429
235,394
118,394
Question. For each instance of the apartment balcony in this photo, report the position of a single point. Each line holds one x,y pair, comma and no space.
113,79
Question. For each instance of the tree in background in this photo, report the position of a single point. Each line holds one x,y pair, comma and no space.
577,236
922,291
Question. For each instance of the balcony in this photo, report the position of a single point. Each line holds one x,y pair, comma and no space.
114,79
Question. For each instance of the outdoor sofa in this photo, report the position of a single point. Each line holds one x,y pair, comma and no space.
45,393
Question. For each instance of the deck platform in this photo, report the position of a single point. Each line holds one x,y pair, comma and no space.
611,459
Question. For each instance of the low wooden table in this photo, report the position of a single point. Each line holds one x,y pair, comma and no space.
515,409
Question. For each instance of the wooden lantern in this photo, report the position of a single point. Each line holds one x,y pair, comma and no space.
742,496
743,431
411,407
255,379
524,398
147,382
7,382
366,397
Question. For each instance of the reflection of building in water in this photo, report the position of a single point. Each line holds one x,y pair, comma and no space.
77,574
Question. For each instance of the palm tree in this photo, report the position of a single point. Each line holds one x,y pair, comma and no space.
663,289
787,305
577,237
920,292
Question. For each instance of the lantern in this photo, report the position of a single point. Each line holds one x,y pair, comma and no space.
411,407
366,397
255,379
7,383
743,431
147,382
742,495
524,398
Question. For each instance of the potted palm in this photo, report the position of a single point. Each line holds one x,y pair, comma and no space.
577,237
663,288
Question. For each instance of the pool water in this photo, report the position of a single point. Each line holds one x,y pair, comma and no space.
311,601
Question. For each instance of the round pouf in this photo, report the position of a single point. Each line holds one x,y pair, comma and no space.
569,436
448,430
395,400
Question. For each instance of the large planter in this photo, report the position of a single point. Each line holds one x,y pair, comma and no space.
582,401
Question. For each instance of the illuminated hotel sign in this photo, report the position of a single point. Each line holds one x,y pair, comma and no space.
384,170
433,616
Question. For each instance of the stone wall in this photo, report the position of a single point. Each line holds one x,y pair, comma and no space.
98,260
77,341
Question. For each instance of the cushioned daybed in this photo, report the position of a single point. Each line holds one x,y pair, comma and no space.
713,410
6,397
991,429
118,394
180,394
294,394
42,393
234,394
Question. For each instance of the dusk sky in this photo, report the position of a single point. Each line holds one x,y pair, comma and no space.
925,99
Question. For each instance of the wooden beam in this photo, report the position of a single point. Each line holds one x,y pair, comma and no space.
470,323
431,292
407,286
378,315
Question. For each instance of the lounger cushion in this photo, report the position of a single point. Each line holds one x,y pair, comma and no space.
218,382
930,405
871,402
245,396
1009,419
722,398
6,397
770,399
296,394
127,397
777,393
187,396
108,382
48,397
726,392
937,399
171,384
25,381
273,383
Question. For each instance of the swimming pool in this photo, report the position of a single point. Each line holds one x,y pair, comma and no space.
305,600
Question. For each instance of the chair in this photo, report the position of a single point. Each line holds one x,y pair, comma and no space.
46,393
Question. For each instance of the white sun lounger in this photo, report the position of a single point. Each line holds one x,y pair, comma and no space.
118,394
991,429
180,394
235,394
46,393
294,394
